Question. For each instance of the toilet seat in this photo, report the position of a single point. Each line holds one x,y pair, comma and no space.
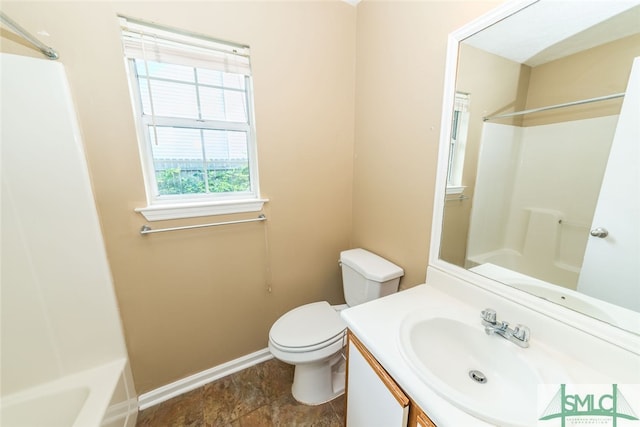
307,328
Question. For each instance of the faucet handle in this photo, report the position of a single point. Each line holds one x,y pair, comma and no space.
521,332
489,315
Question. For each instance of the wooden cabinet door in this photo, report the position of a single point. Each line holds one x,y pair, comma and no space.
373,398
423,421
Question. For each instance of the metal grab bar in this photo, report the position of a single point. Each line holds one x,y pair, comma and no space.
148,230
553,107
49,52
572,224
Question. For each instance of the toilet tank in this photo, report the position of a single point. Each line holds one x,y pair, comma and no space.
367,276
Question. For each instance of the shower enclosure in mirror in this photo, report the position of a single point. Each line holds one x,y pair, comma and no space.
542,182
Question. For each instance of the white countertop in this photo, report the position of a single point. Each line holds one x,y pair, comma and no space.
377,325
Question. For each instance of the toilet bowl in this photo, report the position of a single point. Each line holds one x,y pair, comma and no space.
312,336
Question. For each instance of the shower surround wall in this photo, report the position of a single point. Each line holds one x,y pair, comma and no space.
537,222
61,332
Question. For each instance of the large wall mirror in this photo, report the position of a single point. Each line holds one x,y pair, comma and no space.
542,169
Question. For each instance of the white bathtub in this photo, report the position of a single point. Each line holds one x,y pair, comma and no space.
85,399
541,266
610,313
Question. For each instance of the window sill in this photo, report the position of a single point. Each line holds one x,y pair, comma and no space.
456,190
192,210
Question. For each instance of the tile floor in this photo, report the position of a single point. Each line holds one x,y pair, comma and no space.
259,396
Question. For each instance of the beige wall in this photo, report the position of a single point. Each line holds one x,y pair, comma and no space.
401,49
599,71
347,159
191,300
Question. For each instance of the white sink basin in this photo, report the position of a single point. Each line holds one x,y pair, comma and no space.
486,376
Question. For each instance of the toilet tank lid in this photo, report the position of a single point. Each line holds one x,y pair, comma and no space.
370,265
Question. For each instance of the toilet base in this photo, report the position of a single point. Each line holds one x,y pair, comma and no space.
318,383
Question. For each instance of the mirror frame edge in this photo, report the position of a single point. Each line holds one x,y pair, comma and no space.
612,334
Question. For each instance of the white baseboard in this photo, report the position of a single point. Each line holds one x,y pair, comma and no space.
192,382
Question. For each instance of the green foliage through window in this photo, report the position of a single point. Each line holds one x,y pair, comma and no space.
178,181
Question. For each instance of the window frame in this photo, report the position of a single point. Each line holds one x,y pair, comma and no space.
163,207
457,146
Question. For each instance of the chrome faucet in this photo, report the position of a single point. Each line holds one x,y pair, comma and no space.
518,335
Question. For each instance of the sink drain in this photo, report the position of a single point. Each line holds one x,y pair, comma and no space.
477,376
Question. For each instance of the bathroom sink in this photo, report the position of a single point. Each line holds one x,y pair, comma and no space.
484,375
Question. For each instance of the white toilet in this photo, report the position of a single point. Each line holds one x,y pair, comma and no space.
312,336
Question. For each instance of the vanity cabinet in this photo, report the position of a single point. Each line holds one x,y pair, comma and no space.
417,418
373,397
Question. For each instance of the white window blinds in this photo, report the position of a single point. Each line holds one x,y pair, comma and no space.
150,42
461,102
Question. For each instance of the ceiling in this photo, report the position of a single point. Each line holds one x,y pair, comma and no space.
551,29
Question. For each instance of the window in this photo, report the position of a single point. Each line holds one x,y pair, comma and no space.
458,142
193,103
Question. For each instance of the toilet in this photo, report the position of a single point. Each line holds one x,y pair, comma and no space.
312,336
